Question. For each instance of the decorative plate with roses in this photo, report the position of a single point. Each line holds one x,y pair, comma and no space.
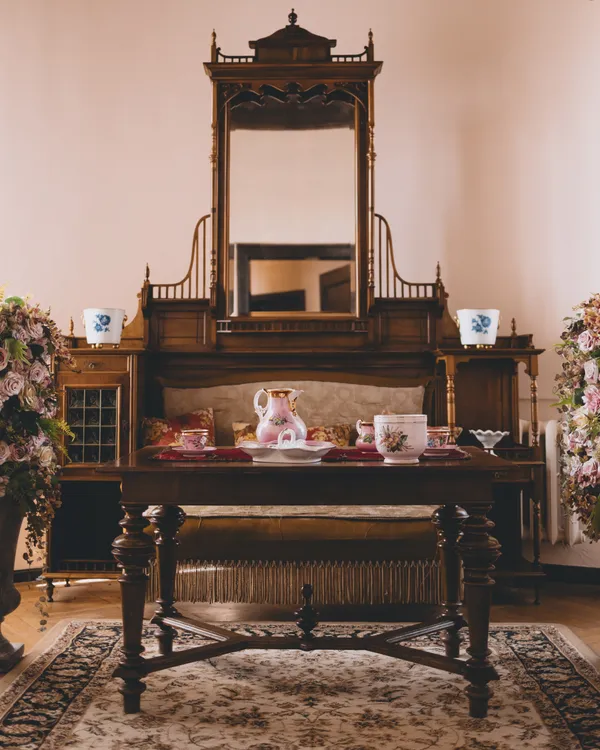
30,434
578,389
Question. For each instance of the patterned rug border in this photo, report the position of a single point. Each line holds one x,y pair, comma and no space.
583,659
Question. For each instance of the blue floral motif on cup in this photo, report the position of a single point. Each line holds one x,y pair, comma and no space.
481,323
101,323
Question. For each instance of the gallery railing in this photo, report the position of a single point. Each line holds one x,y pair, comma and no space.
389,284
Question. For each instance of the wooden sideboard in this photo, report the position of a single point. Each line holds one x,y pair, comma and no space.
189,333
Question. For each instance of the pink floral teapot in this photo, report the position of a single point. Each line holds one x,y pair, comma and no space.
279,414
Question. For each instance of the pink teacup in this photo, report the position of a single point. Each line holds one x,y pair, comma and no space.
194,440
366,436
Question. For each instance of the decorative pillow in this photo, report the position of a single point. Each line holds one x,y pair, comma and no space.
338,434
157,431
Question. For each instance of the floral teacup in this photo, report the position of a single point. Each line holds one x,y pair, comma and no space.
438,437
194,440
401,438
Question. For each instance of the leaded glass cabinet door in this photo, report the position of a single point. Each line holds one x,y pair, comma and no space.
93,414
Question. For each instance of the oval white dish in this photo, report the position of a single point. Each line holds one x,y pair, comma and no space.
287,450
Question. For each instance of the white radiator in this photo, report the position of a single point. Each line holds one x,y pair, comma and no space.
559,524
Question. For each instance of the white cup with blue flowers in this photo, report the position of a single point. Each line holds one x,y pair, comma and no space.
103,325
478,327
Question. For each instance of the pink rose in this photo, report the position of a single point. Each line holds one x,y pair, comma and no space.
34,329
587,341
3,358
11,384
3,485
590,471
591,399
38,373
20,453
4,452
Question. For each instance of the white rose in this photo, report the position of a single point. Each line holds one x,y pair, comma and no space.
591,371
4,452
29,397
46,456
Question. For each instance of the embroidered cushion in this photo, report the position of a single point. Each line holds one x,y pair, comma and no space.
338,434
157,431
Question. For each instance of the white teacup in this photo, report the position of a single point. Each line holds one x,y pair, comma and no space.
401,438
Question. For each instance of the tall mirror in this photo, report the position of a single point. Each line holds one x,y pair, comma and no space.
292,205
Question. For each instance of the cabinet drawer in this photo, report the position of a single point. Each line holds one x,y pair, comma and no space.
102,362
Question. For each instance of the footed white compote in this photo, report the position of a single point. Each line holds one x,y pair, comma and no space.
489,438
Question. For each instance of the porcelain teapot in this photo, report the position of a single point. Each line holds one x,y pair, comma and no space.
279,414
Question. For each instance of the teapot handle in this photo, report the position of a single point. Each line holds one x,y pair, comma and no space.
359,426
260,410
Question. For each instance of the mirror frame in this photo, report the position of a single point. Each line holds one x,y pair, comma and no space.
334,76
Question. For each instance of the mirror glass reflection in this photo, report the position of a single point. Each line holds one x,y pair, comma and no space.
292,209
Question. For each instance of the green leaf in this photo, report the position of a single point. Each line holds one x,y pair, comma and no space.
16,349
15,300
595,519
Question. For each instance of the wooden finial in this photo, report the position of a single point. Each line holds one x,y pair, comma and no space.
438,273
293,17
214,52
71,328
369,49
147,279
513,327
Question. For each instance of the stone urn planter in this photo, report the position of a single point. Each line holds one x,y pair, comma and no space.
10,526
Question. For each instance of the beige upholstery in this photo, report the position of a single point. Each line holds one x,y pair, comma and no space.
322,403
364,512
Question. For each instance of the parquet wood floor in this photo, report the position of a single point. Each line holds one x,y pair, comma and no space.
574,605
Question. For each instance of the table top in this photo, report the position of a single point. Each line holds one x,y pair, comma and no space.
142,462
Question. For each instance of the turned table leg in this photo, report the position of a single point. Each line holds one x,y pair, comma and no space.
479,553
132,550
448,521
166,520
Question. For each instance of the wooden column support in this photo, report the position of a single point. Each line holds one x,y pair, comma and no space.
479,553
132,550
166,521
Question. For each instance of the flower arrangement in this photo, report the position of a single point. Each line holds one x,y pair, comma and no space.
30,434
578,389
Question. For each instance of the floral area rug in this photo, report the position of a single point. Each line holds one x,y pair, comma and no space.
548,697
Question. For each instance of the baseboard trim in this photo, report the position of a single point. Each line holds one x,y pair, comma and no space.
29,574
572,574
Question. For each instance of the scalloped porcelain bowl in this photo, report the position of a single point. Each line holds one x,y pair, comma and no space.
287,450
489,438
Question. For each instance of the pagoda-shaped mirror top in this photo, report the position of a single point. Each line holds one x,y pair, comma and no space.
293,44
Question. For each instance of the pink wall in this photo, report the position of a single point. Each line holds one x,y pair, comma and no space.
487,135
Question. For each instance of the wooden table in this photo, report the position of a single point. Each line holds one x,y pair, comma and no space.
462,489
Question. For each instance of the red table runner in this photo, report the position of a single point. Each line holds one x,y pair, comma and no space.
335,454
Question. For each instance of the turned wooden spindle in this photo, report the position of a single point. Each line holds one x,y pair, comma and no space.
308,617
